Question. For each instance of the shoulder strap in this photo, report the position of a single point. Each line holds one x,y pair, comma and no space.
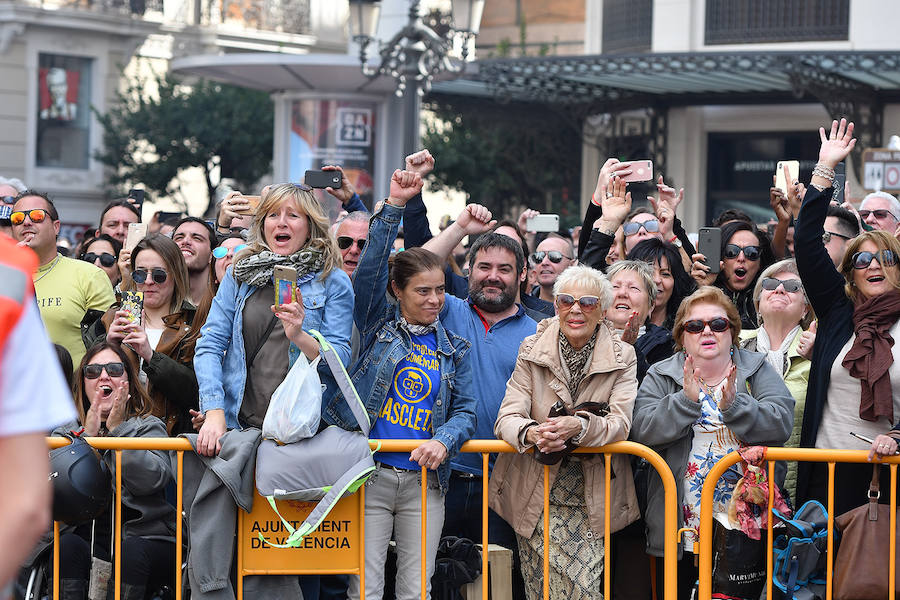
344,382
262,341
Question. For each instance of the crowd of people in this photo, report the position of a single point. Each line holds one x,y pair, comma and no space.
623,331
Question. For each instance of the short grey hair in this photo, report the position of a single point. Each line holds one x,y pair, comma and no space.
587,278
356,216
895,204
788,265
13,182
643,269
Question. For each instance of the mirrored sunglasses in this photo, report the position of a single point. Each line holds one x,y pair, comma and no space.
222,251
554,255
885,258
106,259
650,226
8,199
567,301
879,213
36,215
140,275
718,325
789,285
345,241
113,369
750,252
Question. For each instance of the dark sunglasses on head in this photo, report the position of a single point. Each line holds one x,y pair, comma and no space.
113,369
36,215
302,187
789,285
222,251
879,213
885,258
554,256
750,252
826,236
140,275
650,226
345,241
106,259
719,324
8,199
587,303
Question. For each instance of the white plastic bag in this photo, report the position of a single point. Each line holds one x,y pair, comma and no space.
296,405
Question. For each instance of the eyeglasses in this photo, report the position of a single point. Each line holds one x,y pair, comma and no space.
222,251
8,199
345,242
826,236
650,226
113,369
879,213
718,325
106,259
554,255
885,258
789,285
750,252
140,275
302,186
567,301
36,215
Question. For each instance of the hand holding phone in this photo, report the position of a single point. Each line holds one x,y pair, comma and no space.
285,285
323,179
641,170
793,169
245,205
542,222
136,197
709,244
136,232
132,305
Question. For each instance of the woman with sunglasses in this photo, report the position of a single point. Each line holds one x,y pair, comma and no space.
746,251
573,385
699,405
248,343
103,251
854,379
160,340
784,315
111,403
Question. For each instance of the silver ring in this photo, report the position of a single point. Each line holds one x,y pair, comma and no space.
609,194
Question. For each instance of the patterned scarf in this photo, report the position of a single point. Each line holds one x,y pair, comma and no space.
418,329
574,360
257,269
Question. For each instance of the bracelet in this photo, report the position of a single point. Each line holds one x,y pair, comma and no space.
824,172
594,201
674,237
388,201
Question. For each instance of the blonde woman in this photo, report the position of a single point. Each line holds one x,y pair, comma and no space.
251,341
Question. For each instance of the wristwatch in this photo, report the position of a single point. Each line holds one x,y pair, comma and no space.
676,242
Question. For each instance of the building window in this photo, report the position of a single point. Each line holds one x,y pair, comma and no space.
64,114
759,21
627,26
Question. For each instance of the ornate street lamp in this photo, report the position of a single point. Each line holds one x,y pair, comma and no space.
417,53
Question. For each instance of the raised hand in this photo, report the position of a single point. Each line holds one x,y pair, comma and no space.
611,167
837,144
796,191
630,333
808,341
779,204
616,202
700,270
346,191
421,162
475,219
404,185
522,223
291,316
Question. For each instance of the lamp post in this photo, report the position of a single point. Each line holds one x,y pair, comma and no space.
417,53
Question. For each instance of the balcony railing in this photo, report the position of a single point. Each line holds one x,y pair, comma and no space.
761,21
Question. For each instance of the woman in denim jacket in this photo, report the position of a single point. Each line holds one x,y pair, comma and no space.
246,344
415,380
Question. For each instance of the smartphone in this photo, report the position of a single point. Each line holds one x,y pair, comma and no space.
542,223
323,179
254,204
709,244
133,304
136,232
168,218
641,170
840,180
138,197
285,285
794,169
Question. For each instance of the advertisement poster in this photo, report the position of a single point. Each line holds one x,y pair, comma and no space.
339,132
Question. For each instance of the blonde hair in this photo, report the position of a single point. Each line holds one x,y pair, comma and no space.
320,235
588,278
884,241
706,295
644,271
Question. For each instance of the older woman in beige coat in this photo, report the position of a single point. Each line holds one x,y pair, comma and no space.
576,367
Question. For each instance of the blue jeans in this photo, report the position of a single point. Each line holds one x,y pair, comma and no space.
462,508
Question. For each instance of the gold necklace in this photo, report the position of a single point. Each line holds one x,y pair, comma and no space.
47,272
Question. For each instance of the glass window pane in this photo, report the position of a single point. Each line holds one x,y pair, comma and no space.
64,116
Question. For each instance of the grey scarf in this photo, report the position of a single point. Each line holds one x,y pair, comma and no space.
256,269
418,329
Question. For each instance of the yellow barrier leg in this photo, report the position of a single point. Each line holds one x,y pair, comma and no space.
770,559
485,544
179,510
362,545
424,528
892,554
546,532
607,502
118,558
55,560
829,560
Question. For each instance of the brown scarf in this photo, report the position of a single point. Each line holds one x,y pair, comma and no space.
870,357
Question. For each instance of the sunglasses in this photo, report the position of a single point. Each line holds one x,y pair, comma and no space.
554,255
8,199
140,275
826,236
750,252
587,303
880,213
789,285
302,187
718,325
37,215
113,369
885,258
106,259
222,251
345,242
650,226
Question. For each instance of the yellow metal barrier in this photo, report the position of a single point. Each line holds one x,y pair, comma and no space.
789,454
484,447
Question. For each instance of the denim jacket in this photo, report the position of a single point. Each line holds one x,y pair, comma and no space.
385,343
220,358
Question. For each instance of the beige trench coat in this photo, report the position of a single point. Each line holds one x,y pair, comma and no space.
537,383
